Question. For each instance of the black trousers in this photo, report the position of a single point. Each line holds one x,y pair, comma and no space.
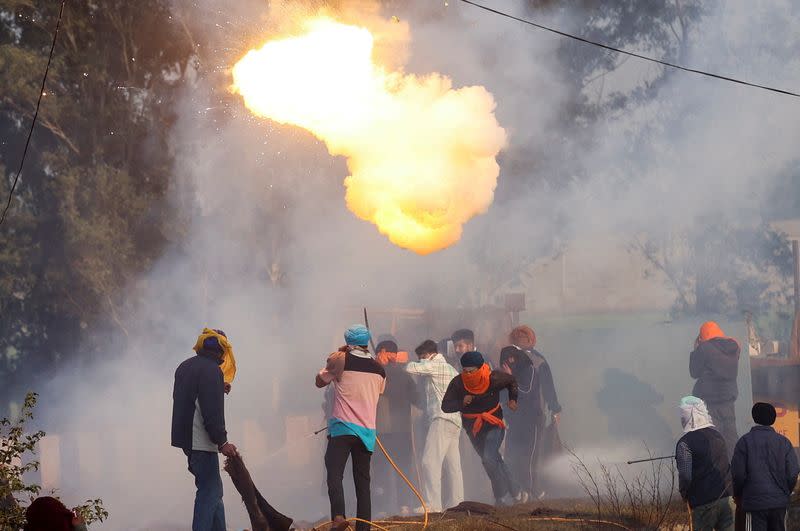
769,520
339,450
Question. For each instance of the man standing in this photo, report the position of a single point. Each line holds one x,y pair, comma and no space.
475,393
532,435
765,472
198,426
441,443
358,381
394,425
715,364
704,478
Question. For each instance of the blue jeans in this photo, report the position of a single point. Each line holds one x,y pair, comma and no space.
487,443
209,513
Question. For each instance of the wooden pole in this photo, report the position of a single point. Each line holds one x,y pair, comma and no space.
796,252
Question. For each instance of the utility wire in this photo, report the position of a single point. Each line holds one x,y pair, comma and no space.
35,114
625,52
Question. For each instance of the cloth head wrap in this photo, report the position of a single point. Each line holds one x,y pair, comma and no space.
357,335
710,330
764,414
694,414
472,359
523,336
207,339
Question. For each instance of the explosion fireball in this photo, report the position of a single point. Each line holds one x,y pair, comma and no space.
421,155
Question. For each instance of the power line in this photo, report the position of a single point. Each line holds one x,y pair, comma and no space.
35,114
625,52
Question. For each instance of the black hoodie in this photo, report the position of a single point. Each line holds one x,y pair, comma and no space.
715,365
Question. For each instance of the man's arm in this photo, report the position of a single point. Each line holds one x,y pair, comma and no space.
696,363
739,468
453,398
211,397
792,467
683,458
549,388
501,380
419,367
333,369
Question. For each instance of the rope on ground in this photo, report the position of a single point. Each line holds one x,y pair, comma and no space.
410,485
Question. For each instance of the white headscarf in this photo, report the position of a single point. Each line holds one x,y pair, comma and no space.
694,414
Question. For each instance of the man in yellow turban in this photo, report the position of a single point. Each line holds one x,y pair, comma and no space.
228,366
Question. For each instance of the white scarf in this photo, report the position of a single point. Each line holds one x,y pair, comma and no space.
694,414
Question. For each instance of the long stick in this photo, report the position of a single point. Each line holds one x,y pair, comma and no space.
366,323
650,459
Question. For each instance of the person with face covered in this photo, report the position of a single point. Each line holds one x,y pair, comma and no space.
475,393
704,472
394,425
532,432
714,363
198,425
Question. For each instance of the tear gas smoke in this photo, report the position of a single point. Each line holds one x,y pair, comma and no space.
421,154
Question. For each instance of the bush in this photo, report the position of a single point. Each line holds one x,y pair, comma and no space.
15,491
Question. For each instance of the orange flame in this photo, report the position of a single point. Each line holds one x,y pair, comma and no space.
421,154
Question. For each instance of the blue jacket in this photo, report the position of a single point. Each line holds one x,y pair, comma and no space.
764,470
198,380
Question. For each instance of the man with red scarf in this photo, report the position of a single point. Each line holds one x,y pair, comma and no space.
475,393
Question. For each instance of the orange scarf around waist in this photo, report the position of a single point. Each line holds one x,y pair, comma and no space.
477,382
486,416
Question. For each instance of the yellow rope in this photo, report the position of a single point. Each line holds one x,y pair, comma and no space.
410,485
691,519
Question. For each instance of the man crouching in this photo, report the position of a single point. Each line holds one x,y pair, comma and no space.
476,394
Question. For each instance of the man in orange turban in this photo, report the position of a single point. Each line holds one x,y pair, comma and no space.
714,363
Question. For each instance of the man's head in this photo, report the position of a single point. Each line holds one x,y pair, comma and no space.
710,330
463,341
357,335
426,350
523,336
472,361
764,414
212,348
386,343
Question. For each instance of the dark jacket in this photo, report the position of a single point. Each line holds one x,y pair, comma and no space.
394,405
715,365
764,469
198,379
537,392
453,400
704,472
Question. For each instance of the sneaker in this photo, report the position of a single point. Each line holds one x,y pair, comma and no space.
522,497
505,501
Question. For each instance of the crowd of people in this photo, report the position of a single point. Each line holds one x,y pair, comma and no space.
456,389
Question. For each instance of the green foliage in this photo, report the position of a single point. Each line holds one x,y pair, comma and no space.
90,211
15,491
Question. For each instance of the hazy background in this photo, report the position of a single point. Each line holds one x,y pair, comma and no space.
267,251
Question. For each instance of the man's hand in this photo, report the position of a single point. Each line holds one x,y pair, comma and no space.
512,405
77,519
468,399
506,368
229,450
556,418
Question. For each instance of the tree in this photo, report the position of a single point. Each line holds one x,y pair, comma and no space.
89,212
